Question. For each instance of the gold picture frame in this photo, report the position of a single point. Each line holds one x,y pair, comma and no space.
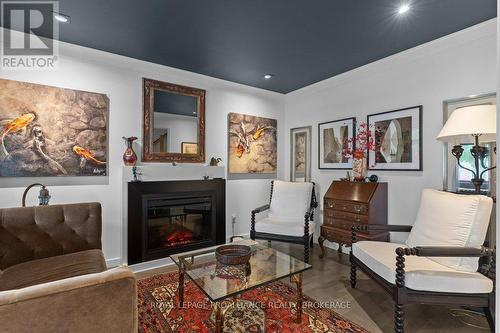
190,148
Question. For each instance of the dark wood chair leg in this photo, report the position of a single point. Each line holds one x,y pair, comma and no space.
351,257
306,238
399,318
321,240
489,317
306,248
353,271
400,283
311,243
252,227
306,251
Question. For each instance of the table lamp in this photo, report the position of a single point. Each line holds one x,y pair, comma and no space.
478,123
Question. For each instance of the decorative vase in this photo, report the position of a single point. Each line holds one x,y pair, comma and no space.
359,166
129,156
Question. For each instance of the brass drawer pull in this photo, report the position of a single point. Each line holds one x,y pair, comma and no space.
357,218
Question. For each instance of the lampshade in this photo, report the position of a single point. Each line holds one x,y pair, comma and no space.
463,122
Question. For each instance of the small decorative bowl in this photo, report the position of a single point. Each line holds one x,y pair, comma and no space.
233,254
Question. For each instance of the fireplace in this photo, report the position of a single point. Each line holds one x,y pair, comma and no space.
170,217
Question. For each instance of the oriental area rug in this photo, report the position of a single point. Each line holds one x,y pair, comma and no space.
268,309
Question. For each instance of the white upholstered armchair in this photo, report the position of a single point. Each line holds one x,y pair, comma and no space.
439,261
290,215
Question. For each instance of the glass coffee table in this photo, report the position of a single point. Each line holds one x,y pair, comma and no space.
222,283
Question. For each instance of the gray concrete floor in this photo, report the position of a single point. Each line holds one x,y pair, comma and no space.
368,305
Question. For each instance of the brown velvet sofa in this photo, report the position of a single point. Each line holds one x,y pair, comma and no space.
53,276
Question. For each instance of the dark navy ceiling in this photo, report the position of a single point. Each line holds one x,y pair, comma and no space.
299,41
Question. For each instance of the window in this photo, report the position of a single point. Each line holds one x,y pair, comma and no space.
464,177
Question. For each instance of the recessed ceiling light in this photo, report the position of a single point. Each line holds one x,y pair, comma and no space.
403,9
61,17
268,76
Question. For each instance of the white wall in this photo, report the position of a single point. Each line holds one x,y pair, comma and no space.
121,79
455,66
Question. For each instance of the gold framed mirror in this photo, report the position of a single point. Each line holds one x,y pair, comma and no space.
174,123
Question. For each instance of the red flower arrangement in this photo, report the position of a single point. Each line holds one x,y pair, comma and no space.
363,141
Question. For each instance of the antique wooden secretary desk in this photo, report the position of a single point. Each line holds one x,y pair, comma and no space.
347,203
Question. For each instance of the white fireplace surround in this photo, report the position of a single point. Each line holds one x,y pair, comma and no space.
159,172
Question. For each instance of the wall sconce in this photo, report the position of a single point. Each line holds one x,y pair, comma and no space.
43,197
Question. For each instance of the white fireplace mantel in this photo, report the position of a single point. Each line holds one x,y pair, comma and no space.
159,172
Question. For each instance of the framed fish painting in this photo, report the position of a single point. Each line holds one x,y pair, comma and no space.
50,132
398,140
252,145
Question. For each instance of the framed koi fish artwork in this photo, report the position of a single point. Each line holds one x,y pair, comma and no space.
252,144
48,131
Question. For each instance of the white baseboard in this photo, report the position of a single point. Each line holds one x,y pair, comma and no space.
113,262
148,265
228,238
335,246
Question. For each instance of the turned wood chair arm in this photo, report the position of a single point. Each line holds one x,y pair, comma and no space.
252,220
382,227
437,251
309,213
309,216
261,209
445,251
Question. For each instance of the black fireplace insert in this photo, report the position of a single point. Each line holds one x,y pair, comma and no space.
170,217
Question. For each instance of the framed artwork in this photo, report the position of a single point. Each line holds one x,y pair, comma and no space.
334,139
252,144
189,148
300,154
48,131
397,136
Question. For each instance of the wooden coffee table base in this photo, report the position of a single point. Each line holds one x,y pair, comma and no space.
297,279
219,317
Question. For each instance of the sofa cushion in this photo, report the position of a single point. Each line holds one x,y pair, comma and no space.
290,201
32,233
448,219
92,303
51,269
278,227
421,273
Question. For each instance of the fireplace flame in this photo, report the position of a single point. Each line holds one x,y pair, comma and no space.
179,237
